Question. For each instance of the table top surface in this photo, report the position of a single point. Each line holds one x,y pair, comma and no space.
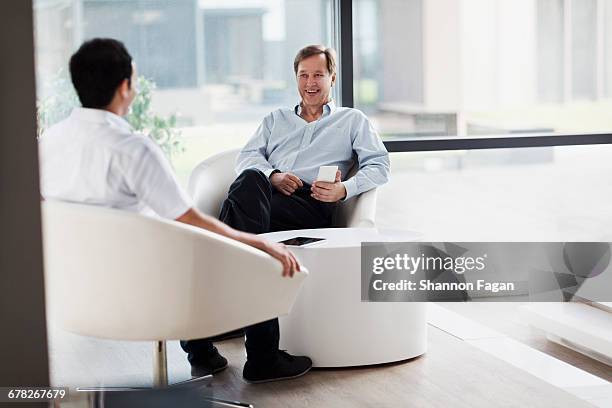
345,237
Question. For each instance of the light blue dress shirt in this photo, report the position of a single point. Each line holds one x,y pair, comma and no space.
286,142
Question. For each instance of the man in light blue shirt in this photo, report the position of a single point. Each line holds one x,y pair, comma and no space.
317,133
290,145
288,142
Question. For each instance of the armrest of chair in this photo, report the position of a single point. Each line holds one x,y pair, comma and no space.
357,212
244,286
210,180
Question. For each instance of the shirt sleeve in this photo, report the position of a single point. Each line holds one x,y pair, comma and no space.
372,160
148,174
253,154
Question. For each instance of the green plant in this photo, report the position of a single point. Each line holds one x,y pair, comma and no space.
58,105
161,129
63,99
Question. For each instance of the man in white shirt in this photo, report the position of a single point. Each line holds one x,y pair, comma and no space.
93,157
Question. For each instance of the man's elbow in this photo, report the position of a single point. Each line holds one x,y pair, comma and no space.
378,174
384,169
188,217
387,172
385,175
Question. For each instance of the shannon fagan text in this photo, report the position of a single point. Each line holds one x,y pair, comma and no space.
427,285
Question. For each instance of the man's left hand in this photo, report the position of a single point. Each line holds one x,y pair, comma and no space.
329,192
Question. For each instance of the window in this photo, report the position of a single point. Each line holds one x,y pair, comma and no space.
420,68
482,67
220,66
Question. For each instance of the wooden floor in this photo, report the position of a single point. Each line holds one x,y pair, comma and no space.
451,374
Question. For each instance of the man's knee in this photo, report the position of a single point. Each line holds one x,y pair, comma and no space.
250,181
253,175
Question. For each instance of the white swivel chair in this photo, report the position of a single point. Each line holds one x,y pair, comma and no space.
211,179
120,275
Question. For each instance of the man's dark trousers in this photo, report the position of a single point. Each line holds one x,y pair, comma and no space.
254,206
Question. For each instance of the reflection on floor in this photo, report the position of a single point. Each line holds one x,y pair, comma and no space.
499,329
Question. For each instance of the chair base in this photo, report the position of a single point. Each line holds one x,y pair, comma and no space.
98,395
160,383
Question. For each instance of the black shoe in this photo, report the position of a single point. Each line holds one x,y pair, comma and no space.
284,367
210,363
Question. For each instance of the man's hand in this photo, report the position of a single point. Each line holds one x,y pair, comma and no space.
329,192
280,252
286,183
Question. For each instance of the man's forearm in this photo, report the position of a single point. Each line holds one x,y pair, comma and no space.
196,218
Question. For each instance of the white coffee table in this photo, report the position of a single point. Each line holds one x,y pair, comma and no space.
329,322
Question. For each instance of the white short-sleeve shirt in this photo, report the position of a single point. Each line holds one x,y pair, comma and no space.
94,157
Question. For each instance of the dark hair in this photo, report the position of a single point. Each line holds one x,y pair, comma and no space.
97,69
309,51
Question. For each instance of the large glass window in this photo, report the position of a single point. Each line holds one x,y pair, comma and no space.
449,67
218,66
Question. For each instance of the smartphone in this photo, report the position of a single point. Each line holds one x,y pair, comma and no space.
301,241
327,173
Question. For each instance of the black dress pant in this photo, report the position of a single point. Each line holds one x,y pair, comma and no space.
254,206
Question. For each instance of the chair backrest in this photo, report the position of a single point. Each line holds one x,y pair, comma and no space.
210,181
120,275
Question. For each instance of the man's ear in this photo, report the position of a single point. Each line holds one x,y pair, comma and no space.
124,88
333,79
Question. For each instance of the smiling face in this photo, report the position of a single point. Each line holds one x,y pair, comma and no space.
314,81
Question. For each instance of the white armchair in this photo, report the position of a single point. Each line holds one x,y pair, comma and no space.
120,275
210,181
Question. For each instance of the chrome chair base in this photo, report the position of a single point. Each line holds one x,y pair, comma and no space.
160,382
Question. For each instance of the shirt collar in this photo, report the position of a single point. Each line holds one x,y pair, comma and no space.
328,108
101,116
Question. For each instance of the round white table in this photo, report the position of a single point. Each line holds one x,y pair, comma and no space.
329,322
